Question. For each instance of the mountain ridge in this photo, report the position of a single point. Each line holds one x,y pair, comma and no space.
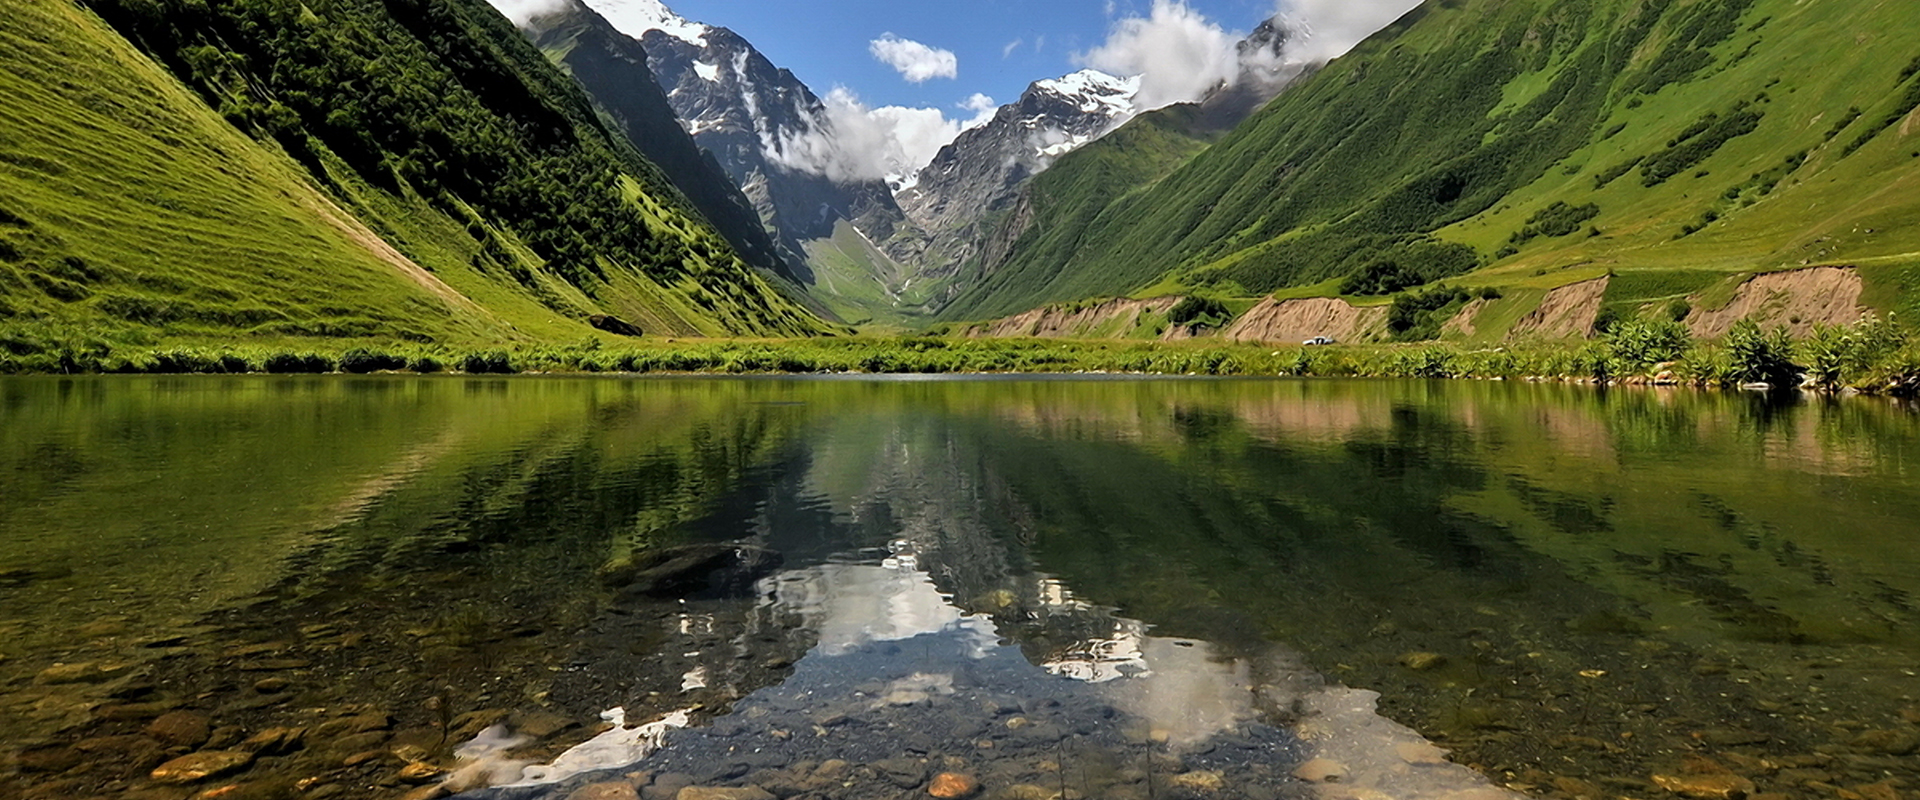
1437,146
330,170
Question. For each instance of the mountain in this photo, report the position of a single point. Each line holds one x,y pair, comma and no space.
408,169
976,178
1533,144
735,103
613,69
971,201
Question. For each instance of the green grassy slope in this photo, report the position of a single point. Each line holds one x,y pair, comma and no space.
1065,211
361,178
1549,138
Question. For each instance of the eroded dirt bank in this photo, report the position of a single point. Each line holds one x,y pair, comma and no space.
1567,312
1294,321
1117,316
1797,300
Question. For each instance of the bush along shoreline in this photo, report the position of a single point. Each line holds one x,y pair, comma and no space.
1874,356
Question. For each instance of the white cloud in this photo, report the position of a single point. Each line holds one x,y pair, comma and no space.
916,62
983,108
1178,53
520,11
855,142
1337,25
1007,52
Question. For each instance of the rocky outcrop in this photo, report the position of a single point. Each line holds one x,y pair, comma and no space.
1295,321
977,179
1567,312
613,67
1108,319
1797,300
735,102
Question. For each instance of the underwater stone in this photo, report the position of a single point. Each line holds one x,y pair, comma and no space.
201,766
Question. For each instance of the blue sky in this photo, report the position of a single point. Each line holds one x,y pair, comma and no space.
826,42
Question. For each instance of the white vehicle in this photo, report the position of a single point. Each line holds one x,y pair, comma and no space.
1318,341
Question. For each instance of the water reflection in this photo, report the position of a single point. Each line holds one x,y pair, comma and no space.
1566,590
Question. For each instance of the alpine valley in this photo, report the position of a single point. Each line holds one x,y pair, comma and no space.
1480,171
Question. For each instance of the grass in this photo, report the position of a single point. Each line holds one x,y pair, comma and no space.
1877,356
1470,119
131,208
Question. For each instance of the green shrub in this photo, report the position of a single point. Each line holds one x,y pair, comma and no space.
1854,355
492,362
295,364
361,361
425,365
1192,309
1757,356
1637,345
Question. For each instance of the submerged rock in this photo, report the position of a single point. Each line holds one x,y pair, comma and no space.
723,793
704,570
1706,786
201,766
952,786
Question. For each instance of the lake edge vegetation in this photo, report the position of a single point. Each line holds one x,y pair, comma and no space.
1878,355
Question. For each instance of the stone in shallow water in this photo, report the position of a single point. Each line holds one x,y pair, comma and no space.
723,793
952,786
611,790
83,672
181,728
1203,781
1420,753
1422,661
201,766
1321,770
1711,786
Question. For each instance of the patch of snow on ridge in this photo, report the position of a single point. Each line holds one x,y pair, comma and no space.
636,17
1096,91
709,72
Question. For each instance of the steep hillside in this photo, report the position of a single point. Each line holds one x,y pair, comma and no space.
1534,144
612,67
339,168
1054,213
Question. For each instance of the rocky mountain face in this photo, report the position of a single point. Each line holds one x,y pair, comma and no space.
736,103
613,68
978,177
968,206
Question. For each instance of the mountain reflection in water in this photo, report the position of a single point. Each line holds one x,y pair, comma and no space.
904,683
1574,593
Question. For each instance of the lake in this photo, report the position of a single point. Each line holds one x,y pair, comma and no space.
1022,589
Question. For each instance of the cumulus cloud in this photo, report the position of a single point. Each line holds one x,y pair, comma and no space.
856,142
520,11
983,108
1335,26
916,62
1178,53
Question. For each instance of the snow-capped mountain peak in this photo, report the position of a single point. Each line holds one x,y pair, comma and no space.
1096,92
635,17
